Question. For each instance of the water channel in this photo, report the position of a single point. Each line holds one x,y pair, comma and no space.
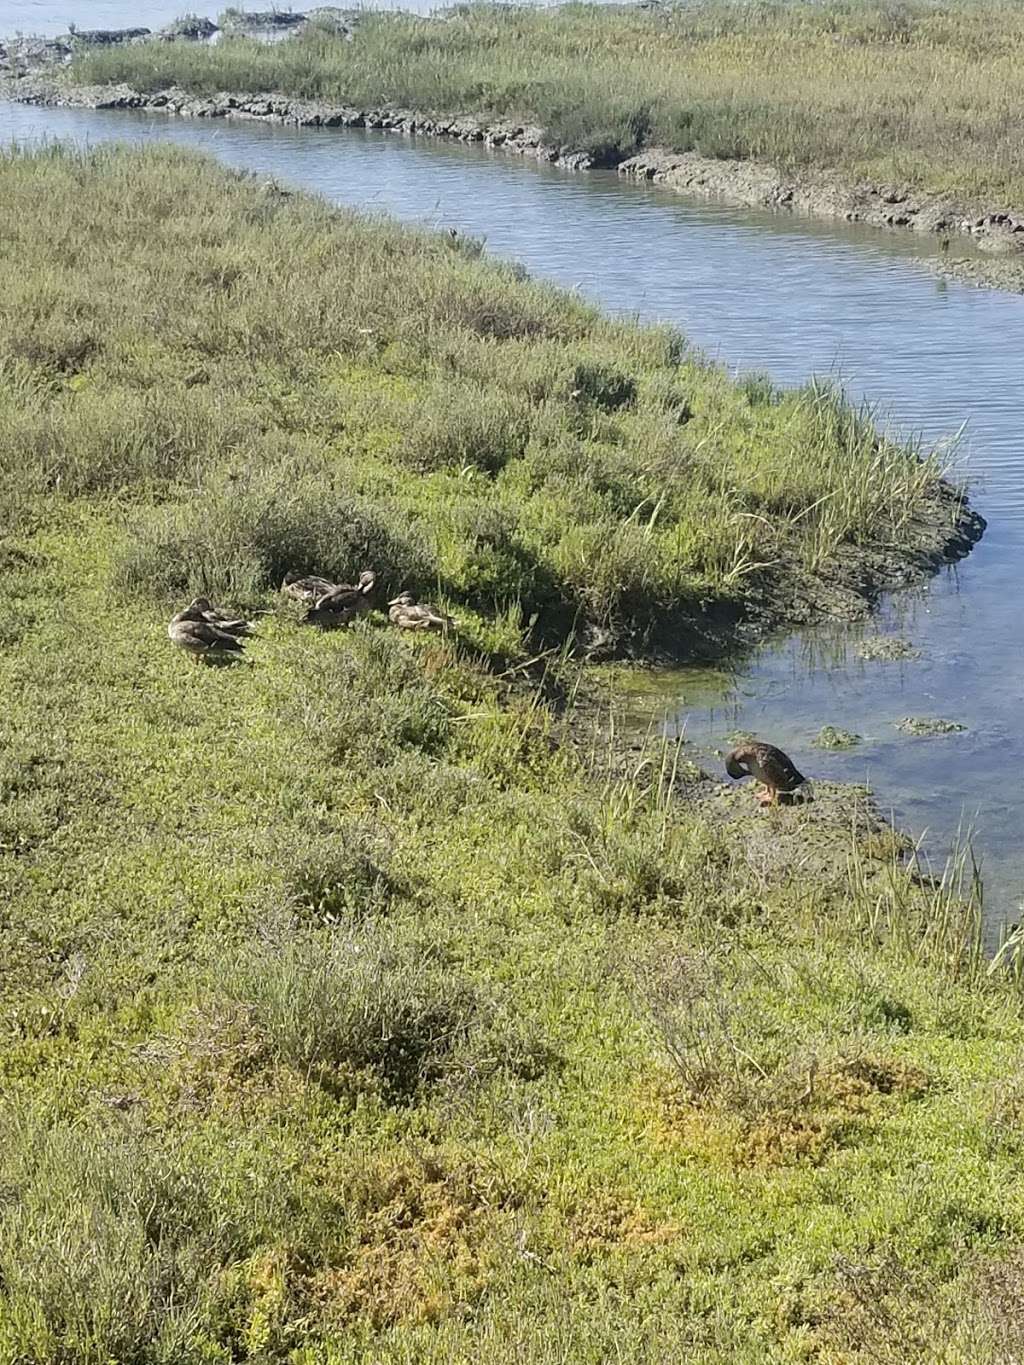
760,291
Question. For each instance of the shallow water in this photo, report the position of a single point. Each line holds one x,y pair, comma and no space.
50,17
793,298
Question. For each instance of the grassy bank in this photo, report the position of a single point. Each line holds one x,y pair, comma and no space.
350,1011
924,95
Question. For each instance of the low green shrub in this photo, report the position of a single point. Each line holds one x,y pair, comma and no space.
108,1237
237,540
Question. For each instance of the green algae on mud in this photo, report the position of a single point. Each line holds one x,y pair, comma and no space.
355,1009
829,737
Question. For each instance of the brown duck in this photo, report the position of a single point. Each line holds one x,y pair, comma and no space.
770,767
343,603
408,614
191,631
307,588
217,616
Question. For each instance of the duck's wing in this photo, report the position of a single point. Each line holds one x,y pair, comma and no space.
206,634
309,589
340,598
778,768
225,621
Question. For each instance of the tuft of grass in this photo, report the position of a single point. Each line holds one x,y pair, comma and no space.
352,1002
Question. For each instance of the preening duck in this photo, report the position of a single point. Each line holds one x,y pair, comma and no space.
774,770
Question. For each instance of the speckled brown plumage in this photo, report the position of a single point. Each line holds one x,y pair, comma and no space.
310,588
191,631
408,614
774,770
217,616
344,603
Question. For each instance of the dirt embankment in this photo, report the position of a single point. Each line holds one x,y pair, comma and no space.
521,138
845,587
821,194
995,233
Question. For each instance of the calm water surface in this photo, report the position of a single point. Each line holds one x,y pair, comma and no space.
793,298
53,16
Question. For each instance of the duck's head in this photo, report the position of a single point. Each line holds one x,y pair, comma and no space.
736,767
200,604
367,581
404,599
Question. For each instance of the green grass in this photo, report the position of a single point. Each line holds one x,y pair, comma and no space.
922,94
342,389
354,1010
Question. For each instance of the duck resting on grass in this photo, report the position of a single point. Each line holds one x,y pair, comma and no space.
191,631
774,771
343,603
308,588
223,620
408,614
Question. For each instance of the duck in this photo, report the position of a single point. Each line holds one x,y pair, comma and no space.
408,614
770,767
191,631
223,620
307,587
344,602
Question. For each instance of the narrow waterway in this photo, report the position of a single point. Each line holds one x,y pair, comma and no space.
793,298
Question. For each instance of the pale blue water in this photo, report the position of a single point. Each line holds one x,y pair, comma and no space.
50,17
54,16
793,298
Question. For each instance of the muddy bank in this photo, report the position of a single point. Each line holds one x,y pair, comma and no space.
845,587
806,840
520,138
996,234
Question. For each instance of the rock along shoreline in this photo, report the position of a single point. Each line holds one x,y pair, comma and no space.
995,237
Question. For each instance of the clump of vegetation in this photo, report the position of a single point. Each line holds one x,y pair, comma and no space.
887,648
351,1002
829,737
345,875
854,88
929,725
354,1006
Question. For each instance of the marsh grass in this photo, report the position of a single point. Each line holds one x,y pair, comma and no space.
103,1258
911,93
341,990
943,926
308,389
352,1002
